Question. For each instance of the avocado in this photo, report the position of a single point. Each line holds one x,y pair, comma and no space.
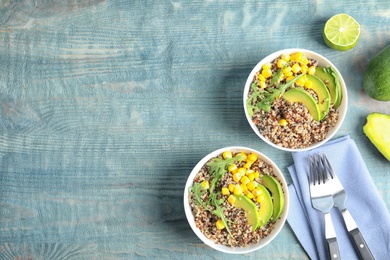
330,78
250,208
277,195
376,80
323,94
300,95
377,130
266,206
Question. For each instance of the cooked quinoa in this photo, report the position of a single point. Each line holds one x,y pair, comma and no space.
242,234
300,129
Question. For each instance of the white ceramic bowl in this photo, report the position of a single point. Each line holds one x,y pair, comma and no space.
322,61
279,223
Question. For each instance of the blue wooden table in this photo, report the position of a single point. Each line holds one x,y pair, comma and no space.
107,105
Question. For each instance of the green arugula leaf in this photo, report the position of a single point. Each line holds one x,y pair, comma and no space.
217,167
199,191
219,211
268,96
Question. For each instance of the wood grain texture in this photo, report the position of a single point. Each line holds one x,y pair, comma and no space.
106,105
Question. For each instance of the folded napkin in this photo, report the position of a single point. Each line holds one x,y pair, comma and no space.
363,201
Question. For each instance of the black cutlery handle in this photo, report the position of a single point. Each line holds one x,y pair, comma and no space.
360,244
333,248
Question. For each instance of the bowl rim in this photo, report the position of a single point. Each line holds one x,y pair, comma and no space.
279,223
342,109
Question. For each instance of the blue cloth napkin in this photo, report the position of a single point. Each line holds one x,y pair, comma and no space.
363,201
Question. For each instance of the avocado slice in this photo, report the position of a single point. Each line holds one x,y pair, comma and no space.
300,95
330,78
252,214
277,195
377,130
322,93
266,206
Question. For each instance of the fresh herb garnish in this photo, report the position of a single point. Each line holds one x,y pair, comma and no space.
217,167
199,191
268,95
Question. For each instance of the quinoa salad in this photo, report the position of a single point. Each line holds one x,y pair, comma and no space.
227,201
287,122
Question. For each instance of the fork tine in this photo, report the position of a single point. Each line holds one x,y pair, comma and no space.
312,175
311,180
319,170
328,166
321,166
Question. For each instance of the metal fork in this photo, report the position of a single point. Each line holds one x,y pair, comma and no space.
339,197
322,200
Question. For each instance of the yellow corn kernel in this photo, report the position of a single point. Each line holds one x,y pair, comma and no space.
301,81
303,60
205,184
252,157
285,57
231,187
260,198
249,194
262,84
267,66
243,188
243,155
232,167
247,165
308,84
281,76
244,180
231,199
261,77
266,73
256,174
296,68
256,192
227,155
283,122
237,189
303,69
251,185
225,191
311,70
237,176
249,172
286,70
296,56
251,176
281,63
291,77
219,224
241,171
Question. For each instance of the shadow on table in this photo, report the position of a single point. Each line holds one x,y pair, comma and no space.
228,98
228,101
317,29
170,206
